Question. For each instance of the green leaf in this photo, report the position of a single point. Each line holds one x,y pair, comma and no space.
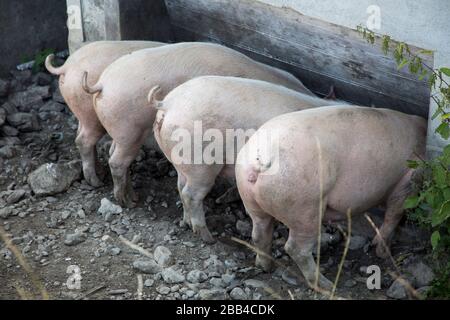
443,130
403,63
411,202
423,74
439,175
445,71
426,52
439,216
435,237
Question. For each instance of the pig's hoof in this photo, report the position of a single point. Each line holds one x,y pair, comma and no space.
205,235
263,263
382,250
94,181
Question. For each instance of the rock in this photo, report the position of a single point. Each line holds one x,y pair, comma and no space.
196,276
422,275
43,79
217,282
213,264
357,242
31,98
75,239
149,283
9,131
25,122
163,256
9,108
4,88
51,178
172,276
5,212
244,228
52,106
396,290
9,141
163,290
228,278
7,152
254,283
108,209
2,116
15,196
114,251
238,294
213,294
350,283
147,265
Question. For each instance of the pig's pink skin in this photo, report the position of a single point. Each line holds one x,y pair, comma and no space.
220,103
94,58
121,102
361,155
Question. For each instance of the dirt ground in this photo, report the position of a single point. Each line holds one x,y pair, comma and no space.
41,229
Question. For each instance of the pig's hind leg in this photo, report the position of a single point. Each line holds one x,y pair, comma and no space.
181,183
119,164
262,234
303,231
199,182
393,215
86,142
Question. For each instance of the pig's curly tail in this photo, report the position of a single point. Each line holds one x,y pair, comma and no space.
57,71
155,103
91,90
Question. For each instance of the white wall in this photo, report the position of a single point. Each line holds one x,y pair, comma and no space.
423,23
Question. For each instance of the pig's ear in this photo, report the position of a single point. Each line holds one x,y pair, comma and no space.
152,98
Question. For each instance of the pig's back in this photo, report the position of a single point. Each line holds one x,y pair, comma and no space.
234,102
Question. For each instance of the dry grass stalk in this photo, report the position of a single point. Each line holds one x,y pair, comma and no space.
24,264
136,247
140,287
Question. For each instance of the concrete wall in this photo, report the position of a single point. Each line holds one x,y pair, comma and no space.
94,20
424,24
29,26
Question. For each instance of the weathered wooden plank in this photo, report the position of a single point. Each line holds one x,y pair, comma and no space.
318,52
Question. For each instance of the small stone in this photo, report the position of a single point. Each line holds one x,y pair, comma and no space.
164,290
163,256
25,122
108,209
213,264
196,276
254,283
7,152
149,283
228,278
244,228
9,131
15,196
147,265
75,239
350,283
422,274
213,294
52,106
357,242
115,251
238,294
5,212
81,214
396,290
172,276
31,98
